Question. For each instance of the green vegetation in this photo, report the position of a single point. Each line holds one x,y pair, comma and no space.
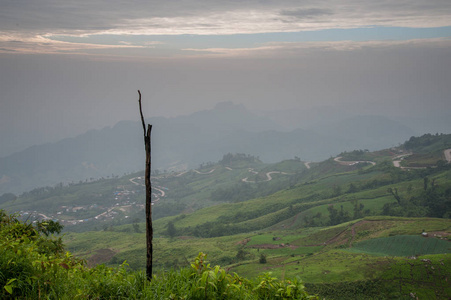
428,143
403,245
327,259
31,269
398,278
345,228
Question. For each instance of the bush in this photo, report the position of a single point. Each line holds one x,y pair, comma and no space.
33,265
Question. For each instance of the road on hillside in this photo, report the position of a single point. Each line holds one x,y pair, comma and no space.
397,160
268,176
447,153
204,173
157,188
353,162
44,216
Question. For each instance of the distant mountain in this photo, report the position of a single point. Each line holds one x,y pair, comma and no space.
373,132
187,141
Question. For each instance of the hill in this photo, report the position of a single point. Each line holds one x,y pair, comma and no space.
242,192
184,142
291,218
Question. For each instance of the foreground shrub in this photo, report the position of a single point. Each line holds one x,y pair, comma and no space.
33,265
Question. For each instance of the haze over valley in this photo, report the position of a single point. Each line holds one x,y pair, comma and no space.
186,141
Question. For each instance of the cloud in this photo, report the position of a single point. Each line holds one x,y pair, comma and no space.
291,49
44,45
35,23
215,17
306,13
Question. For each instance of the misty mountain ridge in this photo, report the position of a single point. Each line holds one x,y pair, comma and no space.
369,130
326,115
186,141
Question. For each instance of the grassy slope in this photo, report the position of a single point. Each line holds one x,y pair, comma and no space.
311,196
306,199
283,214
307,243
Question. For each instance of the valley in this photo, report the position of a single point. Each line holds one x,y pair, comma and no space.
337,224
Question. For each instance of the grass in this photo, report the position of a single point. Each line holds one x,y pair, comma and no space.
334,264
286,261
273,238
423,160
402,245
316,267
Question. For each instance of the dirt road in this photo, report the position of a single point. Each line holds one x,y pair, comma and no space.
353,162
268,176
204,173
447,153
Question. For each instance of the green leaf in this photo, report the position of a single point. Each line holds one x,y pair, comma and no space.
9,288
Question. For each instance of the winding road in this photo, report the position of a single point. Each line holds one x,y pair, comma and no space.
268,176
204,173
351,163
157,188
132,180
447,154
397,159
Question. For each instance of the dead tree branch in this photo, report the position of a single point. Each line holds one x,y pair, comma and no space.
149,228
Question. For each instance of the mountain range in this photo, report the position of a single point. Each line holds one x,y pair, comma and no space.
187,141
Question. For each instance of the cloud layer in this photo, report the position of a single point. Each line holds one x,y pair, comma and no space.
216,17
34,26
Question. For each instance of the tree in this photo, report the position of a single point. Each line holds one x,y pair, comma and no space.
333,215
425,183
171,229
352,188
394,192
136,228
149,229
358,209
241,254
336,191
49,227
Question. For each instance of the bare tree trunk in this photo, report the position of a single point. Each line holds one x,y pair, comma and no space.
149,229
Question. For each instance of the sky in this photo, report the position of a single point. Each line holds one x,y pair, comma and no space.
70,66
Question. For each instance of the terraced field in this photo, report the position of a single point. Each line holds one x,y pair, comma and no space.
403,245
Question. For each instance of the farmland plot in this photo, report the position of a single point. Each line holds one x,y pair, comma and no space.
403,245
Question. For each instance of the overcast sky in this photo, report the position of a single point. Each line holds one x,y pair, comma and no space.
68,66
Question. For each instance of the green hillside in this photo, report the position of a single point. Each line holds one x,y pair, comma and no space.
403,245
339,224
335,256
35,265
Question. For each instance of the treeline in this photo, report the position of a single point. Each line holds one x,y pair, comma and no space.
241,221
426,140
229,158
355,155
433,201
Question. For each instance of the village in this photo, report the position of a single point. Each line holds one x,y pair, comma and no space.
124,202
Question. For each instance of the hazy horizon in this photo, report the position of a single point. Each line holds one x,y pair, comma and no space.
73,66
